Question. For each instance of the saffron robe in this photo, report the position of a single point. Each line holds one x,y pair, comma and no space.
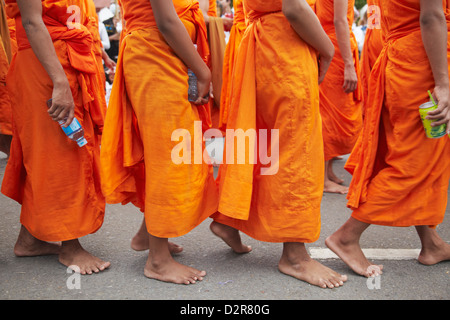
148,107
400,177
56,182
274,89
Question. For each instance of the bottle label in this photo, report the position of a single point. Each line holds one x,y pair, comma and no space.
73,127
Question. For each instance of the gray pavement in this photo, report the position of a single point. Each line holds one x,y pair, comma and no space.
230,276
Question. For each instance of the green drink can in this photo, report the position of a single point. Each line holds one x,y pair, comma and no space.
431,132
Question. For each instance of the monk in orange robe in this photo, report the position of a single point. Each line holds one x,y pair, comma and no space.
143,160
6,52
236,34
373,44
401,177
340,93
275,94
55,180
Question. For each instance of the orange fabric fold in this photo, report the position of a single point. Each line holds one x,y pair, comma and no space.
5,59
55,181
274,88
97,46
373,44
144,114
212,10
217,45
341,112
400,177
230,54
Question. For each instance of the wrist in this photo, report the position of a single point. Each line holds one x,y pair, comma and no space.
60,82
349,65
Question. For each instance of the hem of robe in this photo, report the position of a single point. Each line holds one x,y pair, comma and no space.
241,226
400,224
407,220
207,206
95,227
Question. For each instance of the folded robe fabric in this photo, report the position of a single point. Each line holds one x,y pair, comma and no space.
56,182
274,88
149,117
217,48
400,177
5,59
341,112
231,50
373,44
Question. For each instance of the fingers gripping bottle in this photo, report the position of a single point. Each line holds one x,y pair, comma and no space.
74,131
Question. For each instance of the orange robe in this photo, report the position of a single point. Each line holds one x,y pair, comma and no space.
217,46
93,26
148,104
373,44
341,112
212,10
12,35
274,87
55,181
5,59
236,34
400,177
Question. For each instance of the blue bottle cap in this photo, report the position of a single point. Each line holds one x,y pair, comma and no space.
82,142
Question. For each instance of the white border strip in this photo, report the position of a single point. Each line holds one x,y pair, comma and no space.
374,254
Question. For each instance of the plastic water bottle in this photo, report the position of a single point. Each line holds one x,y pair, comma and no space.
193,90
74,131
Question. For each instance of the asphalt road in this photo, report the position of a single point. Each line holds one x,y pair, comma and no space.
231,277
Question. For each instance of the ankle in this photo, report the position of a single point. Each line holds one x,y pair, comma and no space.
295,253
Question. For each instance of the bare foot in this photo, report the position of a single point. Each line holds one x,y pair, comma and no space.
332,187
230,236
74,256
169,270
434,248
332,177
28,246
296,262
352,255
140,241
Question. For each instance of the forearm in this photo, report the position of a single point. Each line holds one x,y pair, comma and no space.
43,48
306,24
179,40
343,40
434,37
176,35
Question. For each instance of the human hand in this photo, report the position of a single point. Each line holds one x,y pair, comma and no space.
203,87
227,23
441,115
350,79
62,106
109,63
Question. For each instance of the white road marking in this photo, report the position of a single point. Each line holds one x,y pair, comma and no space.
372,254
